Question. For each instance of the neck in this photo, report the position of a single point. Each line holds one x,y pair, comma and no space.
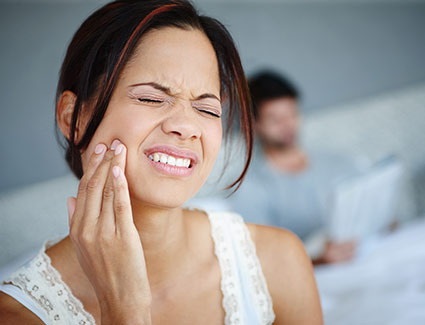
284,150
289,159
158,228
163,236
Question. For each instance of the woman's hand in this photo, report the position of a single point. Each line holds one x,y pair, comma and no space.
107,243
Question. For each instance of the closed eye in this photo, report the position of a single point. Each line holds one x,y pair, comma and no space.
149,100
208,112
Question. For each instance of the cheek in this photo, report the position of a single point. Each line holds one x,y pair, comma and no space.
130,129
266,127
127,127
212,142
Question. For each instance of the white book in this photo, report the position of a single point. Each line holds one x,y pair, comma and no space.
364,205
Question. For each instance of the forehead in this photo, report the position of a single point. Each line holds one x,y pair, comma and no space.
279,106
180,59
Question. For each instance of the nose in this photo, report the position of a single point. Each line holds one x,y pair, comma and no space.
182,123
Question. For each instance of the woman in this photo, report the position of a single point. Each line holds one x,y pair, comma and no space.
141,95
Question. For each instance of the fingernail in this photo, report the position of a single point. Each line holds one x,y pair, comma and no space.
114,144
118,150
99,148
116,171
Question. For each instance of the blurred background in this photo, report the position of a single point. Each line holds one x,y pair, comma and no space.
337,52
360,67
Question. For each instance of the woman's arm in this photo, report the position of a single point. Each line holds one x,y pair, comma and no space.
13,312
289,275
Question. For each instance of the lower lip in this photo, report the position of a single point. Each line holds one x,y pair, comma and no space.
171,170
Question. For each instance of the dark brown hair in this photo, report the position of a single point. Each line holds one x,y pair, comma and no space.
267,85
105,42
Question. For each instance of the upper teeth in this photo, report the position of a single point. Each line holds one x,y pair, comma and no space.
169,160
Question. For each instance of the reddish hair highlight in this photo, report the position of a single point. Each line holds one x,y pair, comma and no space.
134,33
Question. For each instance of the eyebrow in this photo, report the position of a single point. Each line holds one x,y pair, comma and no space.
168,91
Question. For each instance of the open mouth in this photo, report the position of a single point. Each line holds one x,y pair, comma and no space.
170,160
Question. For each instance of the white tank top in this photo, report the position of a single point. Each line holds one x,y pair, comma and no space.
246,300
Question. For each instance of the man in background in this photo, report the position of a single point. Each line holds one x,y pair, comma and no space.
288,185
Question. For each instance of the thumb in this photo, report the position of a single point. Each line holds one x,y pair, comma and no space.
71,208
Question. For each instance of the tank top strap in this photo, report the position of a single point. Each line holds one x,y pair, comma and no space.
246,299
43,284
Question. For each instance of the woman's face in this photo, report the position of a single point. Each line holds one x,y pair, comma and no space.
166,106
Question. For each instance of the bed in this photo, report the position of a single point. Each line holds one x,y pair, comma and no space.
385,284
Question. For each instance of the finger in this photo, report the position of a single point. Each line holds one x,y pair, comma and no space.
95,160
350,252
347,256
120,156
353,245
94,193
107,218
335,252
122,203
347,247
344,253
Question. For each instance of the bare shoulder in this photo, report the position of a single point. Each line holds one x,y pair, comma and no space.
277,245
289,275
13,312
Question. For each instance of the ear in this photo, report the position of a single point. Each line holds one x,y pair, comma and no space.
64,112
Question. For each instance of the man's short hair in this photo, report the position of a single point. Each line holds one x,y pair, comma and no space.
267,85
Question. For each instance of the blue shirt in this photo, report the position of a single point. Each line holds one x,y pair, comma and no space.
296,201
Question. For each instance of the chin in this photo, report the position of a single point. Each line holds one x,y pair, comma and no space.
164,194
160,200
